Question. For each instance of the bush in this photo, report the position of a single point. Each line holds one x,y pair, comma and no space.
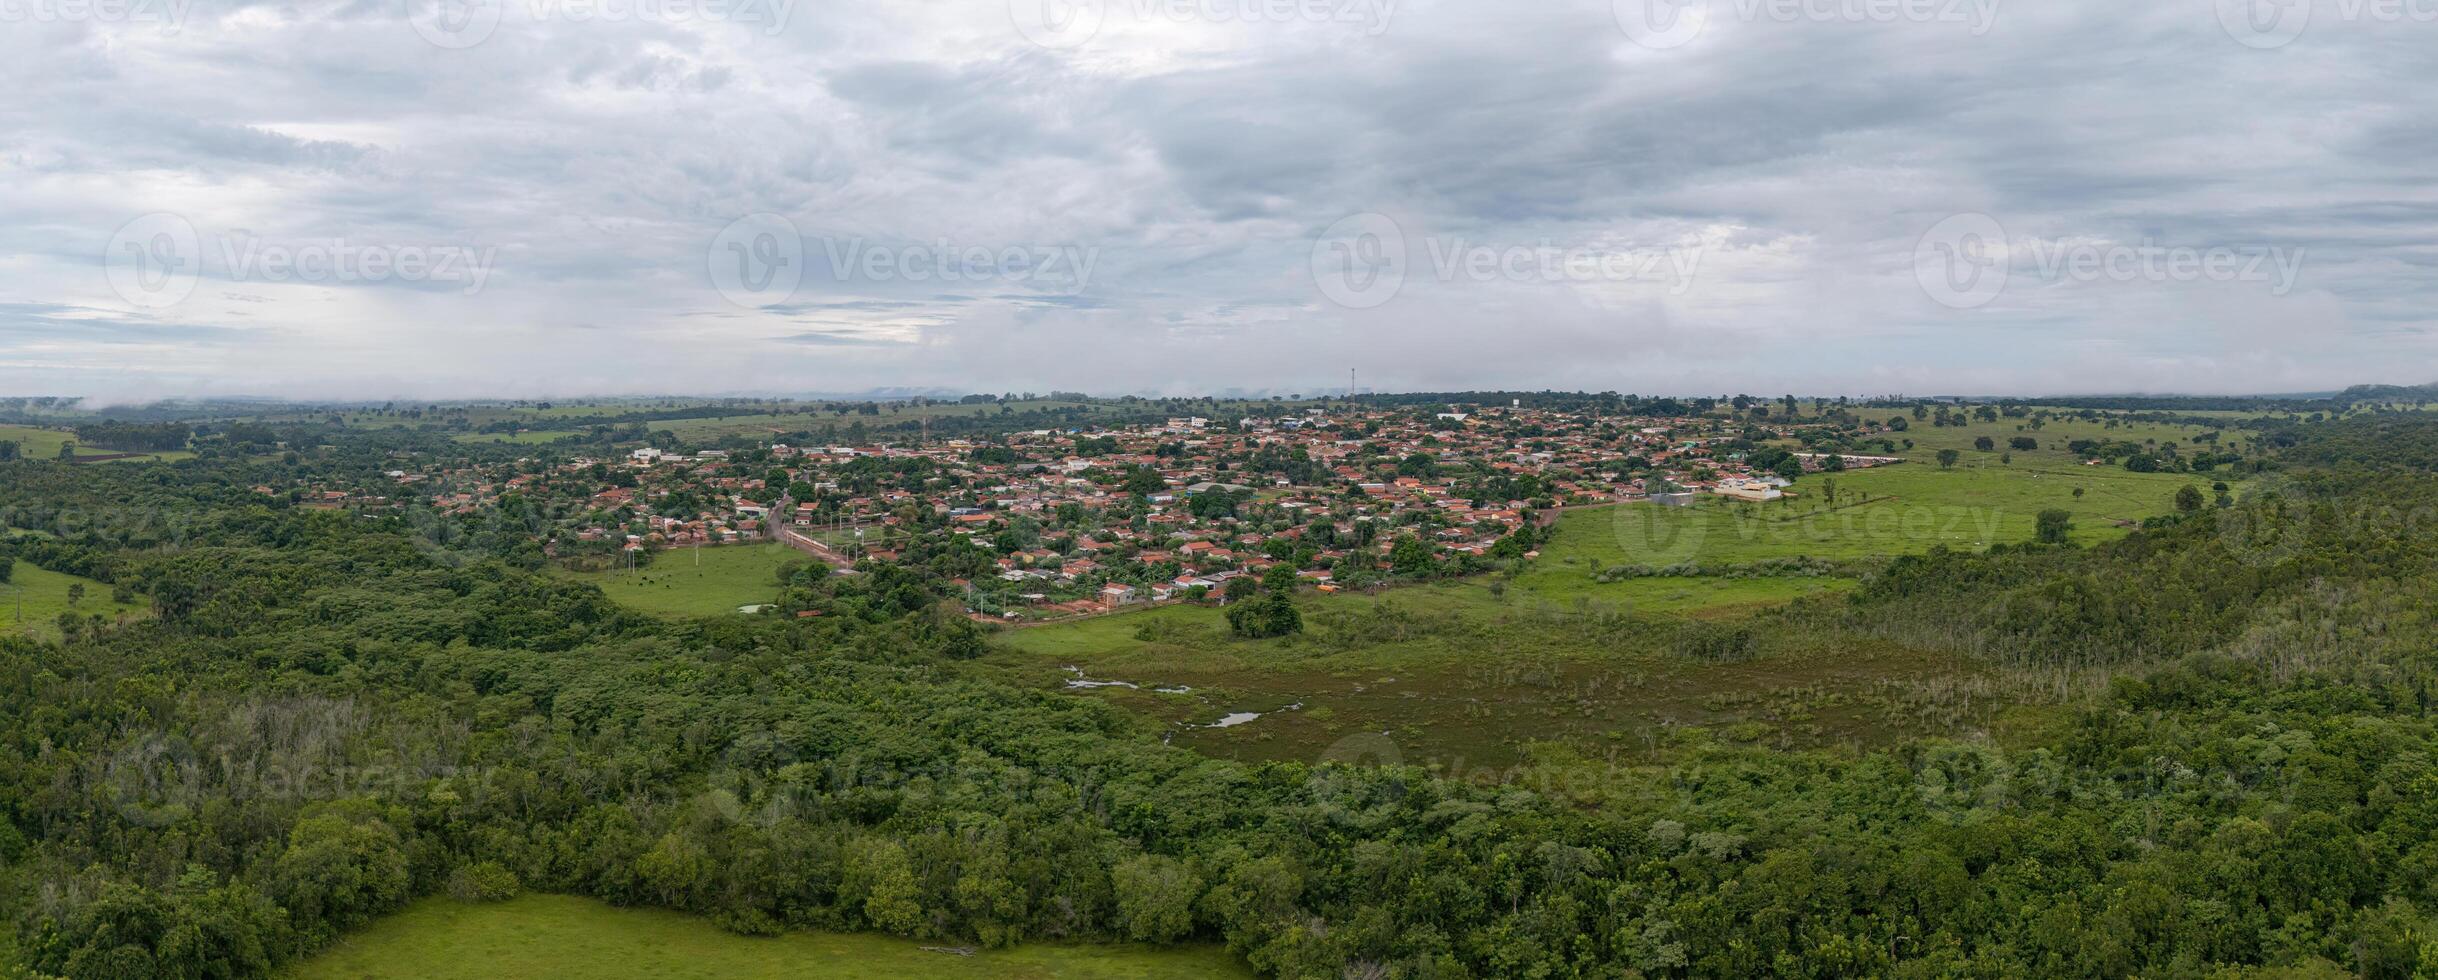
749,922
485,881
1271,615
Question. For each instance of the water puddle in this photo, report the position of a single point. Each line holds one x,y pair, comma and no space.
1235,718
1080,682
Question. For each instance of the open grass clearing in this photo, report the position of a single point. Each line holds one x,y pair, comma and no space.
538,936
34,597
690,582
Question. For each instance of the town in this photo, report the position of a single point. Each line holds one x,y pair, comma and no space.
1051,523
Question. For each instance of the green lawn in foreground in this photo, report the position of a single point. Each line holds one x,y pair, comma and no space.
539,936
697,582
43,595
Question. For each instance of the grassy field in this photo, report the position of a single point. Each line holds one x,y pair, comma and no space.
2053,437
1458,678
697,582
43,594
1890,510
1465,674
534,437
39,443
539,936
35,443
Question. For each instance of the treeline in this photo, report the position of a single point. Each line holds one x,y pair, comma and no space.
151,436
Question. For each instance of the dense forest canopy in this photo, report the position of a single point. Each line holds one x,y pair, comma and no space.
322,720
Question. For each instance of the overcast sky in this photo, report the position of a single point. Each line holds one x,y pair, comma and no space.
558,197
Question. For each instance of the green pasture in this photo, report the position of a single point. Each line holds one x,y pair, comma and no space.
688,582
34,597
538,936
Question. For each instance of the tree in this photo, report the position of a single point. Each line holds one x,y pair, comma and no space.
1947,458
2188,498
1268,616
1240,588
340,869
879,874
1155,897
2053,526
1144,481
1985,444
76,592
1280,578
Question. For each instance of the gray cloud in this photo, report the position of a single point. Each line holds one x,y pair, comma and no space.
1796,164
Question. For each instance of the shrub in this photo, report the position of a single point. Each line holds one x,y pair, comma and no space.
1271,615
484,881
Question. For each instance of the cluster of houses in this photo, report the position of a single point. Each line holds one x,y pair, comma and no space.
1061,521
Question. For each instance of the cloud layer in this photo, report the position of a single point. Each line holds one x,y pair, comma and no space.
432,198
